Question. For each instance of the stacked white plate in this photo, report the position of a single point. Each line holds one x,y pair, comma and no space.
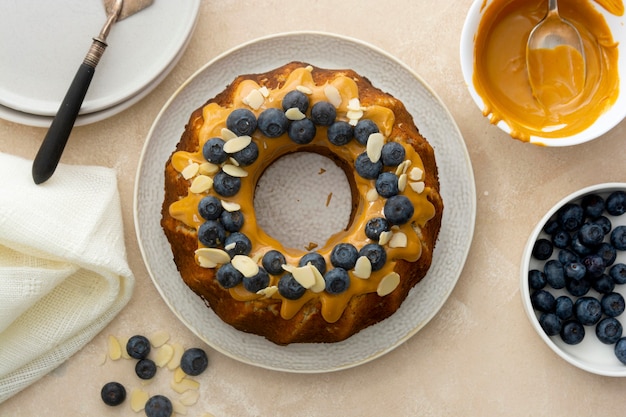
44,42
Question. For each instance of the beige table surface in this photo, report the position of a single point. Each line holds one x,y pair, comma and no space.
478,356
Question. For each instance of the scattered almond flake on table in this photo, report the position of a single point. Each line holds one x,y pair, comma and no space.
163,355
184,385
178,354
114,348
138,399
158,338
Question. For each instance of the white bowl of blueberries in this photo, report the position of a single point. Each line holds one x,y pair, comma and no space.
573,279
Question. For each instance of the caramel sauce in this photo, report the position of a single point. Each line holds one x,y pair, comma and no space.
270,149
501,77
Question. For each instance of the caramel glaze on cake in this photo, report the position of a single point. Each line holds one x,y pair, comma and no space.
317,316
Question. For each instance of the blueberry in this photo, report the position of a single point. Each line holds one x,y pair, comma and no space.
555,274
323,113
616,203
194,361
138,347
566,256
612,304
273,122
594,264
273,262
344,255
211,234
374,227
572,332
609,330
376,255
296,99
387,184
578,288
591,234
226,185
604,223
213,151
158,406
367,169
248,155
113,393
316,260
145,368
551,226
392,154
536,279
542,249
210,208
593,205
607,253
237,244
574,270
232,220
564,307
588,310
561,239
570,217
578,247
398,210
302,131
337,281
550,324
363,129
618,238
620,350
603,285
257,282
242,122
543,301
289,288
618,273
340,133
228,276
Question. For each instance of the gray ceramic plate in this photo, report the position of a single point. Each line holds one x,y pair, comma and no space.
434,121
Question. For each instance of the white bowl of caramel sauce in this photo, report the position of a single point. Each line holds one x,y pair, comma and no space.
493,62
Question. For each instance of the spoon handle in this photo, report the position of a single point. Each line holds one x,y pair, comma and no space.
552,6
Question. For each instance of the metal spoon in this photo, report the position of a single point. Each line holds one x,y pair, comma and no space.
551,32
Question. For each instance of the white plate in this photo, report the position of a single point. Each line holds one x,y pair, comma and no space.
590,355
51,39
434,121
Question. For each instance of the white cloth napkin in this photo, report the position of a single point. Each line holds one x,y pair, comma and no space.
63,269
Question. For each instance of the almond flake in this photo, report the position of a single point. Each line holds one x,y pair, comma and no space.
159,338
288,268
385,237
363,268
163,355
138,399
304,89
201,184
268,291
374,146
115,349
189,398
305,276
235,171
190,170
206,263
233,161
184,385
218,256
294,113
388,284
398,240
320,283
174,363
237,144
230,206
418,187
402,168
254,99
332,94
416,174
245,265
227,134
372,195
402,180
208,168
354,104
178,407
264,91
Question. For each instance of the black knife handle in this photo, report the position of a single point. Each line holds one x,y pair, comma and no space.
52,147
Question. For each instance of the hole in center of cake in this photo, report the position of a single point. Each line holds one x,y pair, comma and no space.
302,199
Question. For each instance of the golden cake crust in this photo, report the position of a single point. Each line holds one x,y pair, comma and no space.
262,316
